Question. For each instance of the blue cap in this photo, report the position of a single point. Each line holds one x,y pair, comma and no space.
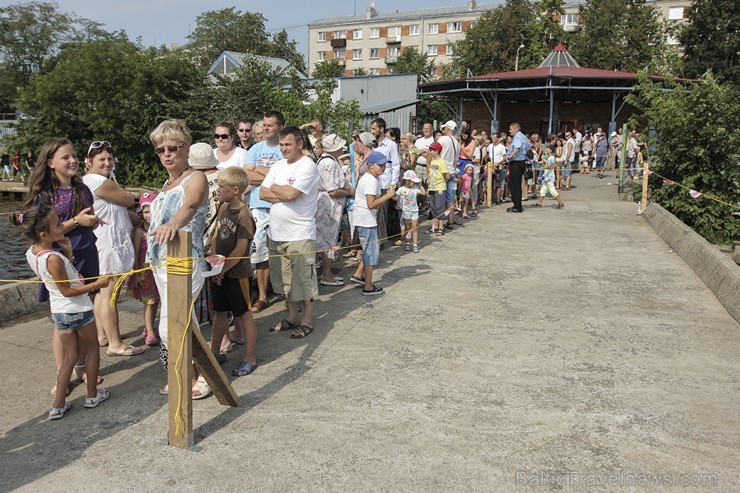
376,157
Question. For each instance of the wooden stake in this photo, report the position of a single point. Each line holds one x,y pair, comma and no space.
645,174
489,184
179,347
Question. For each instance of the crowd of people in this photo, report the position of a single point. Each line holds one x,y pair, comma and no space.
280,203
17,165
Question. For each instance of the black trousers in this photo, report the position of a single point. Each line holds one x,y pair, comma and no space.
516,172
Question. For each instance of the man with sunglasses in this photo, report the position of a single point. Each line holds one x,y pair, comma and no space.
260,157
244,132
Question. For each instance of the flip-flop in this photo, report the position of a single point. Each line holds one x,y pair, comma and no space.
282,326
258,306
126,351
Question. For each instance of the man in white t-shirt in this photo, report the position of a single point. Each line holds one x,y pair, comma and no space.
260,158
422,144
292,187
368,198
497,151
450,152
569,157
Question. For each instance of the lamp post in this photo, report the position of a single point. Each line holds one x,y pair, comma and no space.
516,64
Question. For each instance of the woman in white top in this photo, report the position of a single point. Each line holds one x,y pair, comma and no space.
226,151
115,248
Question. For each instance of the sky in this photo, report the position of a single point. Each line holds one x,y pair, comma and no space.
159,22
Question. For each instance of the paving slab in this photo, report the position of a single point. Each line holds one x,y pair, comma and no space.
554,350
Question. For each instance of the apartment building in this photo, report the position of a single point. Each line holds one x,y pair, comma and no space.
671,10
373,40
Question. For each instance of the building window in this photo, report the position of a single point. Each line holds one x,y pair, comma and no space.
357,34
432,28
449,49
356,54
454,27
374,32
414,30
339,54
322,56
374,53
431,50
374,71
394,31
340,34
322,37
675,13
393,51
569,20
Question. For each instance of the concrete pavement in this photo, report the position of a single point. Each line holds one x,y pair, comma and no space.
551,350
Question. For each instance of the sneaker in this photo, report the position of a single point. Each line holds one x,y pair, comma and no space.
103,395
336,282
221,359
58,412
416,248
372,292
358,280
407,247
243,369
514,209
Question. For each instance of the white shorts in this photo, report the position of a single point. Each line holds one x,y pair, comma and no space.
260,251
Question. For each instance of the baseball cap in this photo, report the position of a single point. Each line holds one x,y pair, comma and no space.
367,138
376,157
450,124
614,134
410,175
145,198
436,146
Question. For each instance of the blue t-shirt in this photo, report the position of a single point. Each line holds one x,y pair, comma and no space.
262,154
522,143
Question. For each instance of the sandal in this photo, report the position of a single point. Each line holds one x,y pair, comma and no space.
398,243
349,254
258,306
283,326
125,351
201,388
441,232
301,332
82,377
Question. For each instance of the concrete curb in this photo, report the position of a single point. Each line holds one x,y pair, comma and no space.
19,299
718,272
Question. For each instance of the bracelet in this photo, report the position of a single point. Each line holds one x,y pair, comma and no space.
74,220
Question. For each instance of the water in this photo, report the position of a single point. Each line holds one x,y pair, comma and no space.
13,246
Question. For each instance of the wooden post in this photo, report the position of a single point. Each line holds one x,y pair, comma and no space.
489,184
645,175
179,348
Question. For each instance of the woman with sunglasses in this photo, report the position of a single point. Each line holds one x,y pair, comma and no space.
226,151
115,249
181,205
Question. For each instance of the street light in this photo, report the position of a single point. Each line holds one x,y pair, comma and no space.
516,65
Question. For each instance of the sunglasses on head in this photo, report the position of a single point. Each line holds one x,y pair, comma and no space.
97,144
163,149
221,136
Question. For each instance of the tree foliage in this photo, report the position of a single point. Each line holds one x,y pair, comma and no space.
411,61
711,39
328,69
696,145
627,35
542,33
31,36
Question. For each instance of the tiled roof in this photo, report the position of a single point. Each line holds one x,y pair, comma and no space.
398,15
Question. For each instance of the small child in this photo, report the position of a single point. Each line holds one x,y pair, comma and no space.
234,232
367,200
407,196
71,308
548,183
466,185
438,176
142,285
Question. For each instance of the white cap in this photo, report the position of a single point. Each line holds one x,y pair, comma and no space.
450,124
410,175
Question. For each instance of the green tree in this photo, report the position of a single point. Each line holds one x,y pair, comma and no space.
228,30
627,35
711,41
359,72
542,33
707,162
31,36
411,61
110,90
287,49
328,69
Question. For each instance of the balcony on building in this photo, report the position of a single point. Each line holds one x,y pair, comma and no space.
391,60
393,39
338,43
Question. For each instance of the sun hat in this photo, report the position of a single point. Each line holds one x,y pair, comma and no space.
145,198
367,138
376,157
435,146
614,134
450,124
332,143
201,156
410,175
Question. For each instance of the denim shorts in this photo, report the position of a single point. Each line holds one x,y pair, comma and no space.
450,193
370,245
410,215
72,321
567,169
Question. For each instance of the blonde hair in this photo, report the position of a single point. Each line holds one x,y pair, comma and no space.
234,176
409,136
175,130
479,139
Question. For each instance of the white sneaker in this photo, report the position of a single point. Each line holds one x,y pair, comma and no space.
103,395
58,412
